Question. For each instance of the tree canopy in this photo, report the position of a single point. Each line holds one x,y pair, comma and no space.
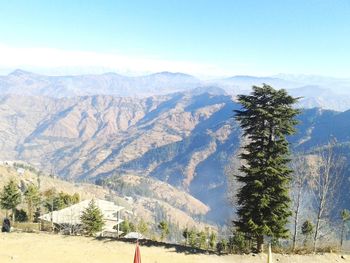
266,118
10,197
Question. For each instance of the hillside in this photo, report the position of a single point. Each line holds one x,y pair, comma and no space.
172,138
184,212
188,140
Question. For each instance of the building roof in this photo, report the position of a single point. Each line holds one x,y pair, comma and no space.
134,235
71,215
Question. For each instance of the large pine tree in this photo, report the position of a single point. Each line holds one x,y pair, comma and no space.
267,117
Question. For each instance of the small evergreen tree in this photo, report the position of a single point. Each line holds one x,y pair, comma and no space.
212,240
21,215
192,237
32,198
266,118
164,230
221,246
142,227
125,227
49,199
237,243
307,229
10,197
132,227
92,219
202,239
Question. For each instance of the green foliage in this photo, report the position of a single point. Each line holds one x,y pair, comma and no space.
132,227
221,246
126,227
212,240
267,118
37,214
163,226
92,219
345,215
10,197
33,198
192,237
142,227
21,215
201,239
237,243
49,201
117,184
27,167
307,229
55,201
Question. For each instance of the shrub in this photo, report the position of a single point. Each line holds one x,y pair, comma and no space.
221,246
21,215
238,243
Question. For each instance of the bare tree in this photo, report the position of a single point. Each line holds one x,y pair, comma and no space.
301,173
326,177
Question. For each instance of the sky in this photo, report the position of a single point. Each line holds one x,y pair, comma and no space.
205,38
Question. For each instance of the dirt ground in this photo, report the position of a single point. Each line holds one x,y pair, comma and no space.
48,248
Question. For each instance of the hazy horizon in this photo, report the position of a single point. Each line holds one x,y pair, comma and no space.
201,38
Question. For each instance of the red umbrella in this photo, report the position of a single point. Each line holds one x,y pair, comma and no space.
137,257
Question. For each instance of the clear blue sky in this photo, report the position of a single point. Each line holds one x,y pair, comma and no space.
239,36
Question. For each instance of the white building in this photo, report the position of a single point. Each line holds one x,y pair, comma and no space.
69,217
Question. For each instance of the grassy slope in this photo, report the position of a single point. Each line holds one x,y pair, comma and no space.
142,207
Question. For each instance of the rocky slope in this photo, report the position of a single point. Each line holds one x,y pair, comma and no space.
172,138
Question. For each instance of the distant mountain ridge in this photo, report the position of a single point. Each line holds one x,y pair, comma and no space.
327,93
31,84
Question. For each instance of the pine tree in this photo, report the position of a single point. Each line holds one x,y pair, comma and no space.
163,226
92,219
32,198
212,240
125,227
10,197
266,118
142,227
307,228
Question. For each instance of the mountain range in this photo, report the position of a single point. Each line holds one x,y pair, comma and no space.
186,138
323,92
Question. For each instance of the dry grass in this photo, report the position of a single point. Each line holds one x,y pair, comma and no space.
48,248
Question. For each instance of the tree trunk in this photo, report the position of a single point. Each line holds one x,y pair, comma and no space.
342,234
13,215
296,219
260,244
30,211
317,228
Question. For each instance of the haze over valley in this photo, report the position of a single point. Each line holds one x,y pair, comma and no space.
168,126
